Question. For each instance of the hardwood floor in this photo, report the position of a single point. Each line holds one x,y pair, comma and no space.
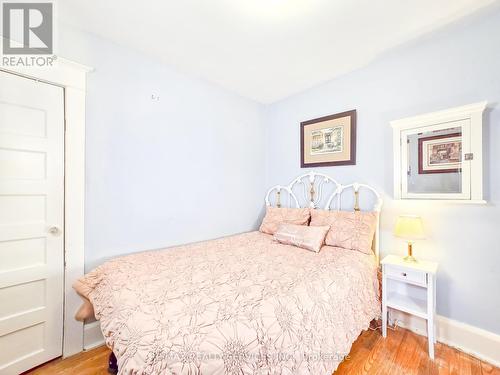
403,352
92,362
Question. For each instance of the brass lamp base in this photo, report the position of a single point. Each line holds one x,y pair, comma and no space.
410,258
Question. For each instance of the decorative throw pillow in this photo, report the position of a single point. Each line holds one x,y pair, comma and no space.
349,230
310,238
276,216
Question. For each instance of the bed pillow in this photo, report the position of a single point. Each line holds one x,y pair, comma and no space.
348,229
276,216
309,238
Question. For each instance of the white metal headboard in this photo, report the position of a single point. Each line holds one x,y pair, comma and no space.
317,190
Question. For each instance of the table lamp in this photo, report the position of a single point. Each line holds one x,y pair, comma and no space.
410,228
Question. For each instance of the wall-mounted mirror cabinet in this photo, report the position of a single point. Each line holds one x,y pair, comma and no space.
439,155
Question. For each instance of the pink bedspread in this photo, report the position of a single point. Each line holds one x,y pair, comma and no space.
237,305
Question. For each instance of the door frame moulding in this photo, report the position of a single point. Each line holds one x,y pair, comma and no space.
72,77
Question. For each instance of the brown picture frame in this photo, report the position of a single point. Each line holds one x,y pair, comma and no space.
352,140
421,141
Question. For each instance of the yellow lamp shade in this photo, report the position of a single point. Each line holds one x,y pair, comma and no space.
409,227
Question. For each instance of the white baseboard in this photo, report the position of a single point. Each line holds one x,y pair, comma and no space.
92,335
475,341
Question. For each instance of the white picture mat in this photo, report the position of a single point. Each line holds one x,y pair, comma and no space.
425,154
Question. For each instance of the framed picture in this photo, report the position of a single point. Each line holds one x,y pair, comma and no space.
328,141
440,154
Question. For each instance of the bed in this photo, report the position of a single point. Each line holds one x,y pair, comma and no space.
243,304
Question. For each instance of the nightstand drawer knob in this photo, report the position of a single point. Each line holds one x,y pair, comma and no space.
406,275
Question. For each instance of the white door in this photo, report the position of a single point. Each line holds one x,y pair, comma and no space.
31,222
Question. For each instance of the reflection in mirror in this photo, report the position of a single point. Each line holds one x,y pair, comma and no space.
435,161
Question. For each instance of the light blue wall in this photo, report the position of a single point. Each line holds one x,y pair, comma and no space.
456,66
146,160
185,168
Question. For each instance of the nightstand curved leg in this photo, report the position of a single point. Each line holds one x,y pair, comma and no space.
384,322
430,337
434,312
430,316
384,305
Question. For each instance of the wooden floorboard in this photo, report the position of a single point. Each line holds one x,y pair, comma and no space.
401,353
92,362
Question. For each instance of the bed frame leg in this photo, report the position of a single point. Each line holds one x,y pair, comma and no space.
112,364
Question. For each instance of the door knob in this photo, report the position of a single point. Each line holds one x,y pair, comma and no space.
53,230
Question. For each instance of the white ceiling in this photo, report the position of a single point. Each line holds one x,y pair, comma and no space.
264,49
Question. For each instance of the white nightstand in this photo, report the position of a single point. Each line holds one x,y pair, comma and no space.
410,287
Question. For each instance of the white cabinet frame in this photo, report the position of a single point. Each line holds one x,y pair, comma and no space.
471,117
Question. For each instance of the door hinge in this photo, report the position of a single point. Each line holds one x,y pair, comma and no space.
469,156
